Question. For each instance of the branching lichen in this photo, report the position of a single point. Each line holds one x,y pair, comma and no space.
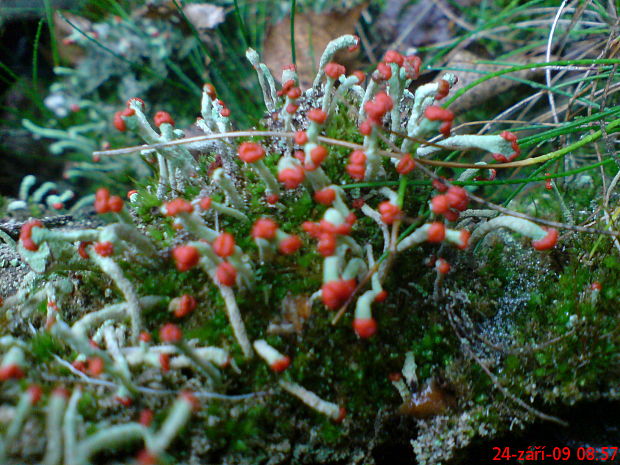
223,234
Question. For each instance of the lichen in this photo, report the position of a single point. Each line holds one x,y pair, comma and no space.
491,331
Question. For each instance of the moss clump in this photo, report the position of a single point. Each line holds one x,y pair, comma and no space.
43,345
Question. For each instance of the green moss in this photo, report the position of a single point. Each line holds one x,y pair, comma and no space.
554,340
210,326
87,405
164,281
147,203
330,432
43,345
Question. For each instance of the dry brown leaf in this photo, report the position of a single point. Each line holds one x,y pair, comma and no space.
464,59
204,15
312,33
165,9
70,53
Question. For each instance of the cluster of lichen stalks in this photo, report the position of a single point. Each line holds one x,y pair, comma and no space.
113,341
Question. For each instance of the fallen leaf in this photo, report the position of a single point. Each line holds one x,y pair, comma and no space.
312,33
465,60
68,51
402,26
164,9
63,28
204,15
